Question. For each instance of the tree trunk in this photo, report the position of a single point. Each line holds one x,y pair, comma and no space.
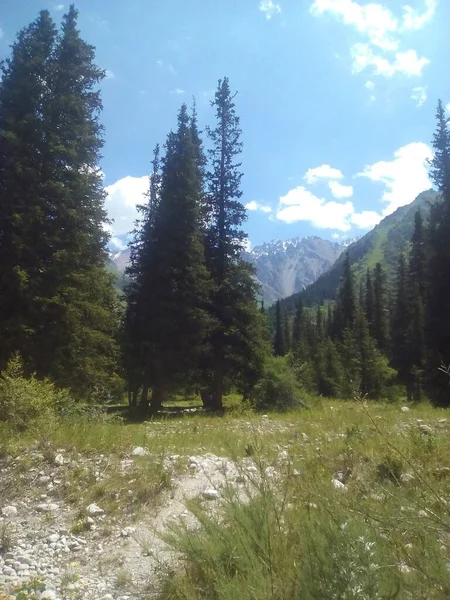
159,394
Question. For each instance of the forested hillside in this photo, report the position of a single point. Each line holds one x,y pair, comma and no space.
383,244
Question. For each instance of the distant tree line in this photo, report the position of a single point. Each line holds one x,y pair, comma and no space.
373,338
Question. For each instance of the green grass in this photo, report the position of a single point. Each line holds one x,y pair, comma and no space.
386,535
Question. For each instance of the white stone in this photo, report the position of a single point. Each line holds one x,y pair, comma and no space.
59,460
425,428
405,409
211,494
94,509
48,595
338,485
406,477
9,511
139,451
47,507
53,538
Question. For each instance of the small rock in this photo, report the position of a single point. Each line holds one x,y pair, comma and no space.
94,509
9,511
405,409
338,485
139,451
265,417
211,494
53,538
48,595
425,429
127,531
59,460
422,513
406,477
47,507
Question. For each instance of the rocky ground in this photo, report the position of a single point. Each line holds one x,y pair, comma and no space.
81,552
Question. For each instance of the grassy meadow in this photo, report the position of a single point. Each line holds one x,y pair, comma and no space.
344,499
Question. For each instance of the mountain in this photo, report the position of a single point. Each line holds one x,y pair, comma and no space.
383,244
282,268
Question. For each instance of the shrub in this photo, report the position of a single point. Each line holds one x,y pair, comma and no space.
27,399
278,387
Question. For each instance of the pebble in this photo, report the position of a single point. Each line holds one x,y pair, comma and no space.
405,409
139,451
9,511
59,460
211,494
94,510
338,485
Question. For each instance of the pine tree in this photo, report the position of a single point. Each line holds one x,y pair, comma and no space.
279,342
24,91
297,328
237,341
438,267
416,292
345,300
400,323
380,321
174,289
369,303
328,369
71,315
133,337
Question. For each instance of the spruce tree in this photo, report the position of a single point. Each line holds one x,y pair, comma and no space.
297,328
400,323
345,300
78,299
369,303
237,340
438,267
173,291
380,311
70,312
24,93
279,342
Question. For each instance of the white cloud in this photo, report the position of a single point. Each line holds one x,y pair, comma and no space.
122,198
59,7
336,236
177,92
366,219
414,20
269,8
117,243
407,62
404,177
369,85
109,74
383,33
253,205
1,33
322,172
340,191
419,95
447,108
299,204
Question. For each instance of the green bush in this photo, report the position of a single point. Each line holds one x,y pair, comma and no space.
24,400
278,387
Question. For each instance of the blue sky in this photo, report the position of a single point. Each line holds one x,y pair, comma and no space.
336,98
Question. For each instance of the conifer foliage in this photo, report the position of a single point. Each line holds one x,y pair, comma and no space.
57,303
192,321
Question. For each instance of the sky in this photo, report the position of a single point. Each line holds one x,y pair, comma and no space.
336,99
